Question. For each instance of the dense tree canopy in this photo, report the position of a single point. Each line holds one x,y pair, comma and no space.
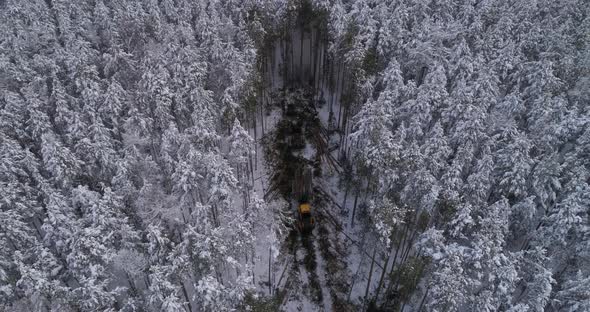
127,164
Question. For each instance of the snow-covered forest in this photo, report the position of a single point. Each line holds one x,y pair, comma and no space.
148,153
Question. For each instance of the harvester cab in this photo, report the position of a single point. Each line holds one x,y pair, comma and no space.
306,220
302,191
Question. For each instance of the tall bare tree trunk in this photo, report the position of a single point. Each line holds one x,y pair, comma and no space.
346,133
401,246
423,300
316,67
383,273
340,93
330,73
326,78
347,187
190,307
286,62
262,93
255,145
334,97
251,170
311,59
271,72
356,197
354,278
292,56
269,271
409,247
301,76
370,277
343,128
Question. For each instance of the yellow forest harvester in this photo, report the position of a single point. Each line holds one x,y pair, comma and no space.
302,191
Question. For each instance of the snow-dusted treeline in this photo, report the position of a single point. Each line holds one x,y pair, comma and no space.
124,171
127,171
472,137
